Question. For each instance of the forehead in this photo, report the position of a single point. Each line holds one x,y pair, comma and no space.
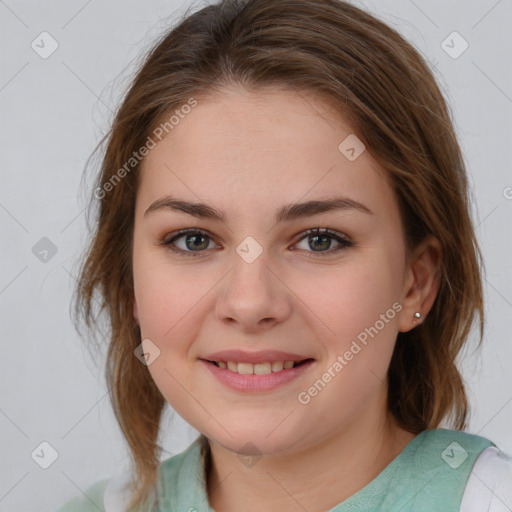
243,147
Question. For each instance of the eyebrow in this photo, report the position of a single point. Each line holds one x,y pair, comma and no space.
286,213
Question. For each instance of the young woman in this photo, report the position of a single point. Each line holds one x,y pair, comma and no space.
285,252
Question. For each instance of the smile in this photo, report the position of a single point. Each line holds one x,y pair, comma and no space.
257,369
260,377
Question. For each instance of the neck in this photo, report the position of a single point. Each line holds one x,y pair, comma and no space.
315,479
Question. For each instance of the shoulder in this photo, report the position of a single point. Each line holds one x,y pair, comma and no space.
175,473
442,450
453,447
489,486
456,439
91,499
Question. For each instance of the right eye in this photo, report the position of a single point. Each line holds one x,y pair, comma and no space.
193,245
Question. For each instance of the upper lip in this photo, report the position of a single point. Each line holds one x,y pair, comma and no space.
261,356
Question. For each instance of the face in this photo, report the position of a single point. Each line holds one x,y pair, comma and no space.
254,282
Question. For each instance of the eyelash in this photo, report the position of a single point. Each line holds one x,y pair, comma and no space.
345,243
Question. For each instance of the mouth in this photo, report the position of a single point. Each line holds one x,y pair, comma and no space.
259,377
263,368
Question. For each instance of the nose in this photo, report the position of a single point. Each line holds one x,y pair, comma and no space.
252,296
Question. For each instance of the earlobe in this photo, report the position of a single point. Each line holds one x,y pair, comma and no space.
422,283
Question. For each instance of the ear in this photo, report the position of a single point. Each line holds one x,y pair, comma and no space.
135,310
421,283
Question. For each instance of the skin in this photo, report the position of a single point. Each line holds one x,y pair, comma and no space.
247,154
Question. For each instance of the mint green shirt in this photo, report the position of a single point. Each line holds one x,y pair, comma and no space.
429,475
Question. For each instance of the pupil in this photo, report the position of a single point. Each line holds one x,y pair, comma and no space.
325,238
189,237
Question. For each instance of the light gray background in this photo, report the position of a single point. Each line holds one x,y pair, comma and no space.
53,112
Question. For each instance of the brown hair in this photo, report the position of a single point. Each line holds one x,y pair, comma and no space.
383,86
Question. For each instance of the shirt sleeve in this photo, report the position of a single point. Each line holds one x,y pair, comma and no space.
489,485
90,501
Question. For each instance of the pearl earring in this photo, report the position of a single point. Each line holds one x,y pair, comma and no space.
417,315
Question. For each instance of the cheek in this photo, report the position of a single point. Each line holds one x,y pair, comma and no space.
360,304
173,302
169,302
343,301
163,295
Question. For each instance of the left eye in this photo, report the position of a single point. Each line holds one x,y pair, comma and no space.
321,239
196,241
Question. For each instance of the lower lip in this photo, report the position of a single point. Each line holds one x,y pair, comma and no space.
255,383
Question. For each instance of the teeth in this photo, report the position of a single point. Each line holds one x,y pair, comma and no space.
257,369
277,366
